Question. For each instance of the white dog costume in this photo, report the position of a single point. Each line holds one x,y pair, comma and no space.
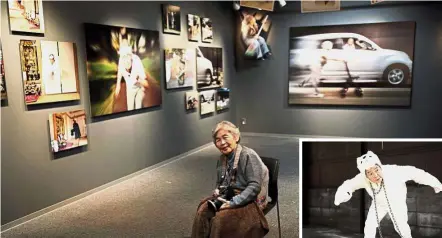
390,198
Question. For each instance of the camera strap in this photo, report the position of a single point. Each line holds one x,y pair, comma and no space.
229,175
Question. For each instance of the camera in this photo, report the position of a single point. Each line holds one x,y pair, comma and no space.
226,193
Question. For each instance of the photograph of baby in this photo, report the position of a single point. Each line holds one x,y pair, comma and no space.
123,68
222,99
68,130
207,102
206,30
180,68
49,71
26,16
171,19
194,27
191,100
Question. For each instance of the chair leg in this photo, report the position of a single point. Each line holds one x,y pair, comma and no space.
279,224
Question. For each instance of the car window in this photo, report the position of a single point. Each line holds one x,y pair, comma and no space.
363,45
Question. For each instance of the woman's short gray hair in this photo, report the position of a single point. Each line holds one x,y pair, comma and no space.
228,126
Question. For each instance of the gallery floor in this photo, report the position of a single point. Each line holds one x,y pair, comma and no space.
162,202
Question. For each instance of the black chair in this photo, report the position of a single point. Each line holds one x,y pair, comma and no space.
273,166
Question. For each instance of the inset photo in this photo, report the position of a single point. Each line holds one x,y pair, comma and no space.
371,187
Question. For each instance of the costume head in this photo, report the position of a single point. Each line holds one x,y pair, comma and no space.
369,165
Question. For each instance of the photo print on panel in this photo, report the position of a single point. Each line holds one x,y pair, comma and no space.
123,68
357,65
3,89
209,67
180,68
207,102
206,30
49,71
67,130
26,16
222,99
191,100
193,27
171,19
253,28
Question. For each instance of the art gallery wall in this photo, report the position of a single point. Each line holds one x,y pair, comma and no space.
264,90
119,144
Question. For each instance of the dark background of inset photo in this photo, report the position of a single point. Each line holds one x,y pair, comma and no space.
326,165
390,35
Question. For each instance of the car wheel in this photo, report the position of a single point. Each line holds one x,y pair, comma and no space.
209,77
397,74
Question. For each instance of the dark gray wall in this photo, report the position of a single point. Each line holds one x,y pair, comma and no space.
264,89
119,145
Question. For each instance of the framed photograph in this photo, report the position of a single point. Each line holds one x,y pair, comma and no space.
193,27
171,19
191,100
308,6
207,102
206,30
4,94
260,5
222,99
123,68
252,30
376,1
180,68
26,16
209,67
68,130
359,64
49,71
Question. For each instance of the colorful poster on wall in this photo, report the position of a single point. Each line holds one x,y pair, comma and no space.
253,28
171,19
123,68
222,99
206,30
180,68
260,5
360,64
207,102
209,67
4,94
193,27
191,100
26,16
49,71
68,130
308,6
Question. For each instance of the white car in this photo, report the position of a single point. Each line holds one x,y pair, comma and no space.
366,61
204,69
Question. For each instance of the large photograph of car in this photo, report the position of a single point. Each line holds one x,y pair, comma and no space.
361,64
209,67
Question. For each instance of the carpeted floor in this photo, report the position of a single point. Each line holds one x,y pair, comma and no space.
162,202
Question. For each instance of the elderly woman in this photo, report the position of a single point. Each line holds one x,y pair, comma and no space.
242,187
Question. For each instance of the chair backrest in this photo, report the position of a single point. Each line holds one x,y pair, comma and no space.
273,166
